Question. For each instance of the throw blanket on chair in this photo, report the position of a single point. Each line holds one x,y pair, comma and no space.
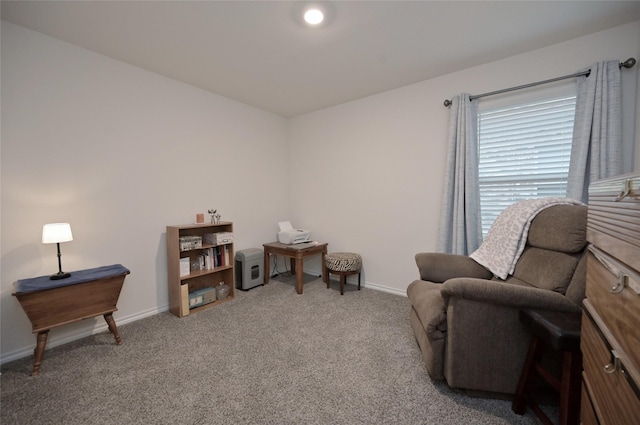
507,237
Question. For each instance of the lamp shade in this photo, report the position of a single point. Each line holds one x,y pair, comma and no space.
56,232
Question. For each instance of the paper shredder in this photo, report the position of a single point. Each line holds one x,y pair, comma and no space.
249,268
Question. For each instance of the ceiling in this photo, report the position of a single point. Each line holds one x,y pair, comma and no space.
261,54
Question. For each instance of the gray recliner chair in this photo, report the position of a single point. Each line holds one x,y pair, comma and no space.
465,320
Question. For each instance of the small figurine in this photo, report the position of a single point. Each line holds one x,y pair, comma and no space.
215,217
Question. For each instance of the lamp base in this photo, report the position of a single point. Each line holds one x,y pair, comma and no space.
60,275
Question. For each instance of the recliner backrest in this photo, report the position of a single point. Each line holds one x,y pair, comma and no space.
555,246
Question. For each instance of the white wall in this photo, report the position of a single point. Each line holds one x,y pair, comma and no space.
120,153
369,173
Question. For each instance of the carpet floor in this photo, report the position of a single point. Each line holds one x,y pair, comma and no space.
270,356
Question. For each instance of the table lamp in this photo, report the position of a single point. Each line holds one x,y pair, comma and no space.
56,233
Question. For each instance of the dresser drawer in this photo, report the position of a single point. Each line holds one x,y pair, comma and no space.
613,290
613,218
610,381
587,413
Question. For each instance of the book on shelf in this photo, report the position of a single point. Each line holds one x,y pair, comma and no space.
201,262
184,299
185,267
219,256
208,259
195,265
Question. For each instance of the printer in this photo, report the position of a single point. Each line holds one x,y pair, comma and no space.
288,235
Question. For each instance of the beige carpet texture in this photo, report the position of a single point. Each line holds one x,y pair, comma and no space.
270,356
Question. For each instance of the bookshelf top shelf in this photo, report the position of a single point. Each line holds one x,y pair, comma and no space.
196,226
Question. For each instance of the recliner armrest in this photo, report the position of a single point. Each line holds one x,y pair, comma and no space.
502,293
439,267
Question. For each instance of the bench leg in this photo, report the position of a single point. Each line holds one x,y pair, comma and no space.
39,351
112,327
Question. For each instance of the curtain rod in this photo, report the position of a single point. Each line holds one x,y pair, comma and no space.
629,63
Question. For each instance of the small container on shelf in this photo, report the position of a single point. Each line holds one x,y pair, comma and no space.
190,242
222,291
219,238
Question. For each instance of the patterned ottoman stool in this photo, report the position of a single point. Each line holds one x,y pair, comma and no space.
343,264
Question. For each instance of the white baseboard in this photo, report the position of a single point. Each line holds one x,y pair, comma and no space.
351,280
101,326
383,288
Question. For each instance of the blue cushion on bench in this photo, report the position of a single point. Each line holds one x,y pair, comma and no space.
44,282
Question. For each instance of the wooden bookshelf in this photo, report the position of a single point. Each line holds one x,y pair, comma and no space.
207,275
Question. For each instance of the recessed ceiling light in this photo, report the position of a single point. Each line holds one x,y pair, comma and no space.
313,16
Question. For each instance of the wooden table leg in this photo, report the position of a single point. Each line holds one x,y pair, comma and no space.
293,263
112,327
267,265
299,276
39,351
325,278
570,386
519,403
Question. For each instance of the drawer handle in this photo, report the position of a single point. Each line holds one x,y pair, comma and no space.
626,191
622,278
620,284
614,365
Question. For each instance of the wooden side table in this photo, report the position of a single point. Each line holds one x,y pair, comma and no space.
296,253
52,303
559,331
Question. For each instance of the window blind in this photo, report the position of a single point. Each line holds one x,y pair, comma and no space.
524,151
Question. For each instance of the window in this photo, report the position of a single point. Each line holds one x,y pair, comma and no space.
524,146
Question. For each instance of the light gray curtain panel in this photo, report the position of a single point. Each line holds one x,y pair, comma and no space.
460,229
596,150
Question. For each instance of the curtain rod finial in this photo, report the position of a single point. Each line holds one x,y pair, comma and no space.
629,63
447,102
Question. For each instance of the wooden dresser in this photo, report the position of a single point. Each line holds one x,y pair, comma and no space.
610,336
